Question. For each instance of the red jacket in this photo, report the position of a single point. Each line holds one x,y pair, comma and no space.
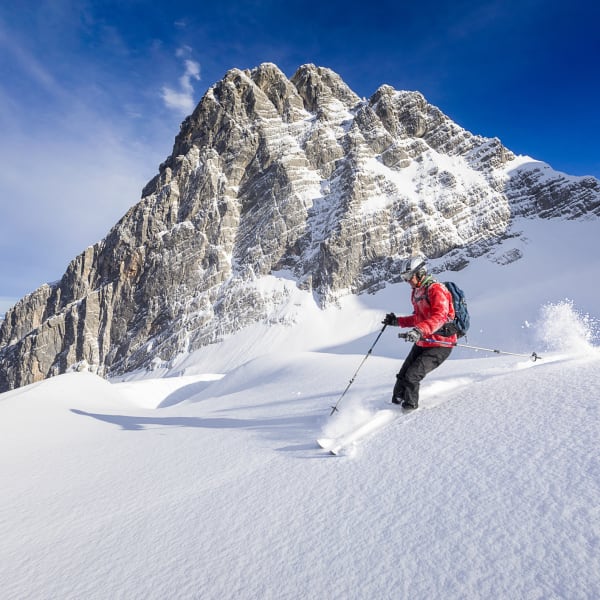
433,307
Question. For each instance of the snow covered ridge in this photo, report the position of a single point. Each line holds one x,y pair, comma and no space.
213,487
297,179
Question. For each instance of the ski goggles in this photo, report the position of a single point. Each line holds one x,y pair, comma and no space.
409,274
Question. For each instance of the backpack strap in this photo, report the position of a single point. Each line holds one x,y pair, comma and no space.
449,328
428,282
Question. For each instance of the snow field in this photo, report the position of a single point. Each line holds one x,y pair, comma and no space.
490,491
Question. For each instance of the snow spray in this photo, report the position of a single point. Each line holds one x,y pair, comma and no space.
562,328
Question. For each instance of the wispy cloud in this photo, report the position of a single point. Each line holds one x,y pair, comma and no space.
78,185
182,99
27,63
80,138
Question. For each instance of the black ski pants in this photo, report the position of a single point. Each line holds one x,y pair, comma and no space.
417,364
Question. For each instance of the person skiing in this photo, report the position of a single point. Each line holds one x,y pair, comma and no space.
433,308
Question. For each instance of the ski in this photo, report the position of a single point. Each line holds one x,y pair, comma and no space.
339,445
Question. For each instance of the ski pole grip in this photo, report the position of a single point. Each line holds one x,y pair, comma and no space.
402,336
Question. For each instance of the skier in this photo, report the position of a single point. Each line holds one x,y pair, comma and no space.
433,308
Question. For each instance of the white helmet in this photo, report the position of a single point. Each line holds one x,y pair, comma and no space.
413,266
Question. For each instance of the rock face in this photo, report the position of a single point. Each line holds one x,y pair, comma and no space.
272,175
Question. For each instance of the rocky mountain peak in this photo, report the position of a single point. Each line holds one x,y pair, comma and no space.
270,176
321,89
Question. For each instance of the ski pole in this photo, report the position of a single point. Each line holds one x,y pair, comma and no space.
335,407
533,356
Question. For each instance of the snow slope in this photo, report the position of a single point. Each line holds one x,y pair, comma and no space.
210,485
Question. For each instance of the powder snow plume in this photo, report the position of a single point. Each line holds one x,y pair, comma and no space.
346,418
562,328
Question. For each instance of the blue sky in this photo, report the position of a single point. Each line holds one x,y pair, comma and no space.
92,93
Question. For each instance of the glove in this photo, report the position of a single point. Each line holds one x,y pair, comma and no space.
390,319
414,335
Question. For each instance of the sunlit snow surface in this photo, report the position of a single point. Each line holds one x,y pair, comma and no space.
208,483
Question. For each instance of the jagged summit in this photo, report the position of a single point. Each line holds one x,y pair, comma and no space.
272,175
